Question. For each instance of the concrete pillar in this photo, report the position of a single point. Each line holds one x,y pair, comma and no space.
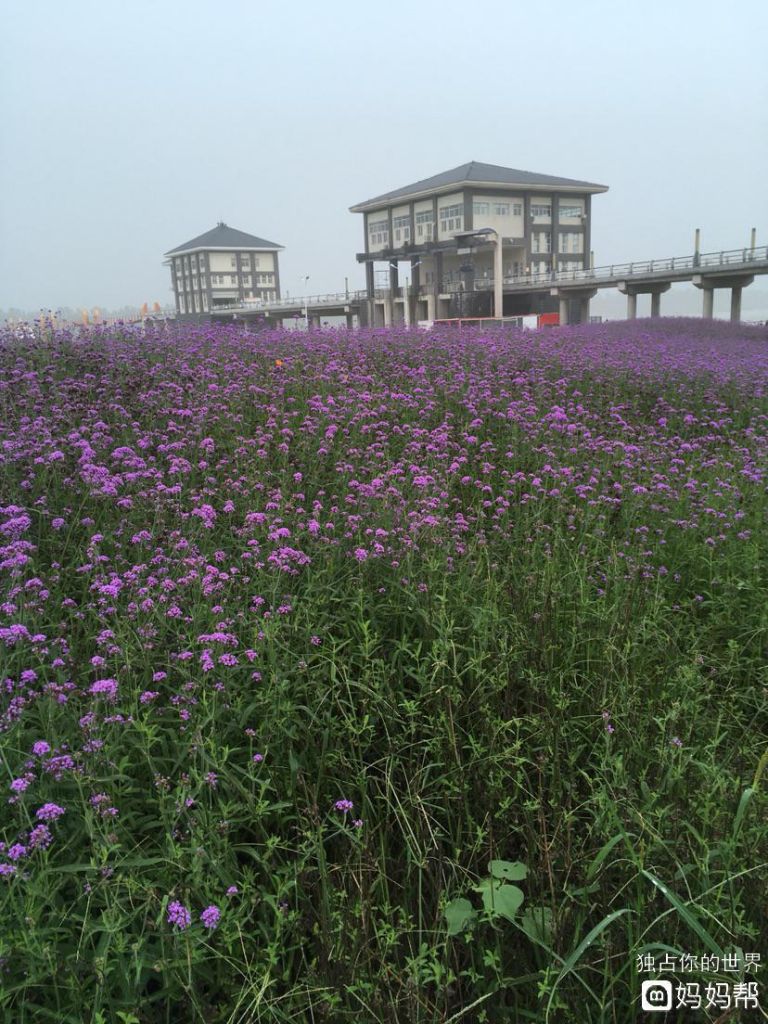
369,279
563,310
631,306
388,311
350,321
709,303
736,304
314,321
393,278
584,310
655,303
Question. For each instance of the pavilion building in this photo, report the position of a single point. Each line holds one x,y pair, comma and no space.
221,268
542,222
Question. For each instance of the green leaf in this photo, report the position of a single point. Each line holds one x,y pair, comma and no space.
459,913
503,900
686,914
536,922
513,871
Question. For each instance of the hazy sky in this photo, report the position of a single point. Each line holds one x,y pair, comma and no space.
129,128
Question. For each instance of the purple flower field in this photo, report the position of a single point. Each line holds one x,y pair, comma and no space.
301,633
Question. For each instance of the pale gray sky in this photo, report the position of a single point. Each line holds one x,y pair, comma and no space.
128,128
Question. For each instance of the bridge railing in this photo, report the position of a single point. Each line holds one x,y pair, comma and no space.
619,271
298,302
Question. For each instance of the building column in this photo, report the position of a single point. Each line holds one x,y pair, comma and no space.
736,304
563,310
584,310
350,321
631,305
709,303
655,303
393,279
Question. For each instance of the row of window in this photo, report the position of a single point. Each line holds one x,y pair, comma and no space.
263,277
452,219
568,241
185,262
484,209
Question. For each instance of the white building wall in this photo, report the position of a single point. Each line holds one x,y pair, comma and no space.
509,225
221,262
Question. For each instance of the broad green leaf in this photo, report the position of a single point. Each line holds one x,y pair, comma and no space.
459,913
536,922
503,900
513,871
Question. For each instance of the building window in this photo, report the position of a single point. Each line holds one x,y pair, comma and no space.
517,209
233,260
378,232
501,209
481,209
541,241
233,278
571,241
451,217
255,261
541,210
570,211
402,228
246,281
425,225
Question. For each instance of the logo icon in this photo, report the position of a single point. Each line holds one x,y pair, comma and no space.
656,996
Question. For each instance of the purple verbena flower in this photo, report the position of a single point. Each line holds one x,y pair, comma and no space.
178,915
210,916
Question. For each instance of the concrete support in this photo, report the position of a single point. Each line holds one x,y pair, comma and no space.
498,277
736,304
393,279
632,289
581,296
708,283
350,321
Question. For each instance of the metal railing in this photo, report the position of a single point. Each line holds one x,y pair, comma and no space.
299,302
618,271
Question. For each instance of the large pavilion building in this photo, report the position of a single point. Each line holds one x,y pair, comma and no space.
526,223
221,268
